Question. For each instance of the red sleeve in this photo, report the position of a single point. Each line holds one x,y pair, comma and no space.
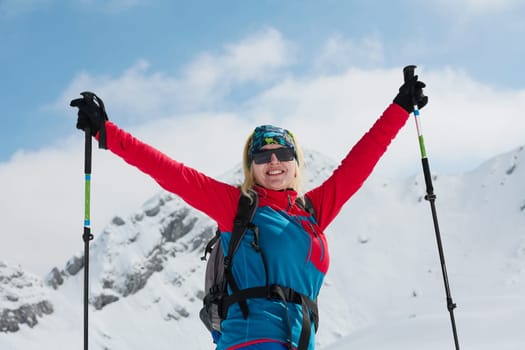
330,196
216,199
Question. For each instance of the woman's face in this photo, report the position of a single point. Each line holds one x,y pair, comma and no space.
274,175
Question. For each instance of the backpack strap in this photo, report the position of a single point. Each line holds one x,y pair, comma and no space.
306,204
211,244
245,211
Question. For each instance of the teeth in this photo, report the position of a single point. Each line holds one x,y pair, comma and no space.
275,172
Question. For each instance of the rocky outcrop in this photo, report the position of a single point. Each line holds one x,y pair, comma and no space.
23,299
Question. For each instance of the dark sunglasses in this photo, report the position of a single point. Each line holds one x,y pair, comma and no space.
283,154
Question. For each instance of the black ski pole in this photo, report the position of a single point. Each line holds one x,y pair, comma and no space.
90,106
408,73
87,236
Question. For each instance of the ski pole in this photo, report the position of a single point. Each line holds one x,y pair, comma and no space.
87,236
90,106
408,73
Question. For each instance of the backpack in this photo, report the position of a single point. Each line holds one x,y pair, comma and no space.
219,275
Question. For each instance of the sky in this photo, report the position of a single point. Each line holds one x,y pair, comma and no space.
193,79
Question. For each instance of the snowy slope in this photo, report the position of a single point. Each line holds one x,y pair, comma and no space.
394,273
384,288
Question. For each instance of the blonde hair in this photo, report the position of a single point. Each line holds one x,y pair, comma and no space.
249,179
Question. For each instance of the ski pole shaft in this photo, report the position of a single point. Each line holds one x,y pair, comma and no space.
408,73
87,236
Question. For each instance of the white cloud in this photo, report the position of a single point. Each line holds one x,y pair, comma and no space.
139,94
135,95
257,59
464,123
252,59
471,119
339,52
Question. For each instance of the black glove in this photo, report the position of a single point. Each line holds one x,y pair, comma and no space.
91,115
411,94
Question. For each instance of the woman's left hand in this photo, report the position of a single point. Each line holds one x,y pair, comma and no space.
411,94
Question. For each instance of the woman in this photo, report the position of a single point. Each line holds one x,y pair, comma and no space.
295,250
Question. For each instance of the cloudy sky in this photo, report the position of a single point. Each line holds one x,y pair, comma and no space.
195,78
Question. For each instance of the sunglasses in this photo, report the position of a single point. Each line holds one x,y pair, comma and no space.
283,154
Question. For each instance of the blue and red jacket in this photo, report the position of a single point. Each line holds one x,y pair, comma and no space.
292,240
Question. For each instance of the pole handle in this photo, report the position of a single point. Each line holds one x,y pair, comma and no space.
408,72
428,180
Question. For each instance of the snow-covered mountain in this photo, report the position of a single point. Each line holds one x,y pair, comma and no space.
146,275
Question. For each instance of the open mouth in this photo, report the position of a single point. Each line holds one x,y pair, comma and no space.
275,172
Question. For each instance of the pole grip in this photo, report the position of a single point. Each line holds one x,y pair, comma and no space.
428,178
408,72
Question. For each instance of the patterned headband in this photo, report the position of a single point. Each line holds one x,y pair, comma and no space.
269,135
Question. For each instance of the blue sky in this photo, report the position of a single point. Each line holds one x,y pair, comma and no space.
194,78
45,44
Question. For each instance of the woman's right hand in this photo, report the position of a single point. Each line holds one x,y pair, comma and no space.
91,112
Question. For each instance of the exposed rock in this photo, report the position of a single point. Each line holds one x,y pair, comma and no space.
74,265
10,320
118,221
23,299
177,226
102,300
54,278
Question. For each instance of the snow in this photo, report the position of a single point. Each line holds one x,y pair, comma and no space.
384,289
15,285
483,323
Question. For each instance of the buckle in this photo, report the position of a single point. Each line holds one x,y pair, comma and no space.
275,291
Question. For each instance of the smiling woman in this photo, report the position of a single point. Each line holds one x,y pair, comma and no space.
267,298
